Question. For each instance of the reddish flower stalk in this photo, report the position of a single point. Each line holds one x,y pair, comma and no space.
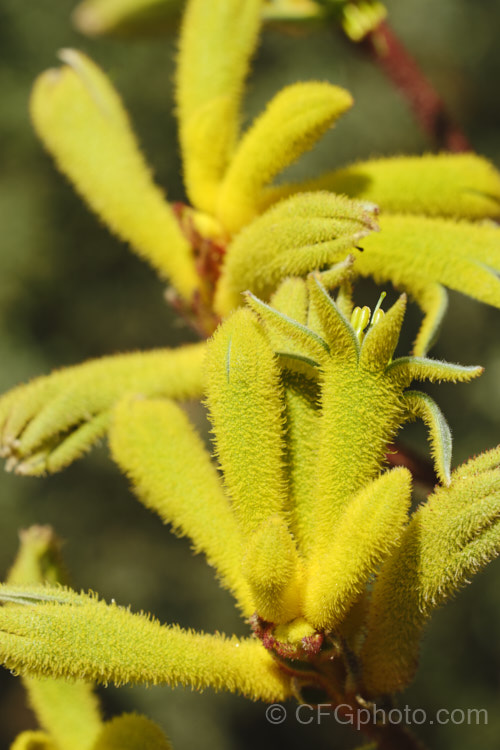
422,470
389,53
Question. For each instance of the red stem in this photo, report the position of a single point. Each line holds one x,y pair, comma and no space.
421,468
385,48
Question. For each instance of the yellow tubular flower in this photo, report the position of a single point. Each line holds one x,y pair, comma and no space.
90,639
294,120
364,537
79,115
81,121
358,370
195,506
48,423
458,186
217,41
451,537
245,405
69,713
307,229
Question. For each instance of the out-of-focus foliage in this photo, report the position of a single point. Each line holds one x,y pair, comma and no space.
133,18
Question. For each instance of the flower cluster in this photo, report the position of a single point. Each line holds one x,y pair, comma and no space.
299,515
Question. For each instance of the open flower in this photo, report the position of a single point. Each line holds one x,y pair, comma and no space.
303,402
242,232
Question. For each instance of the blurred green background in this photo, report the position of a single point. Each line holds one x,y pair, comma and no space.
70,291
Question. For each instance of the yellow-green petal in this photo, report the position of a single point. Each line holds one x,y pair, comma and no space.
461,186
382,338
217,41
407,369
157,448
452,536
294,338
51,421
369,529
327,319
422,406
81,120
245,400
64,634
304,233
433,301
79,442
294,120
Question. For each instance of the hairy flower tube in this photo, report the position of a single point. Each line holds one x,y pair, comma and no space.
306,527
69,713
242,231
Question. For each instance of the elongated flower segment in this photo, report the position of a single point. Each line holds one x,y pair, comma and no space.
69,713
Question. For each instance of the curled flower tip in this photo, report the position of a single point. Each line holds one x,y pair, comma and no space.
371,208
86,20
126,17
82,122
